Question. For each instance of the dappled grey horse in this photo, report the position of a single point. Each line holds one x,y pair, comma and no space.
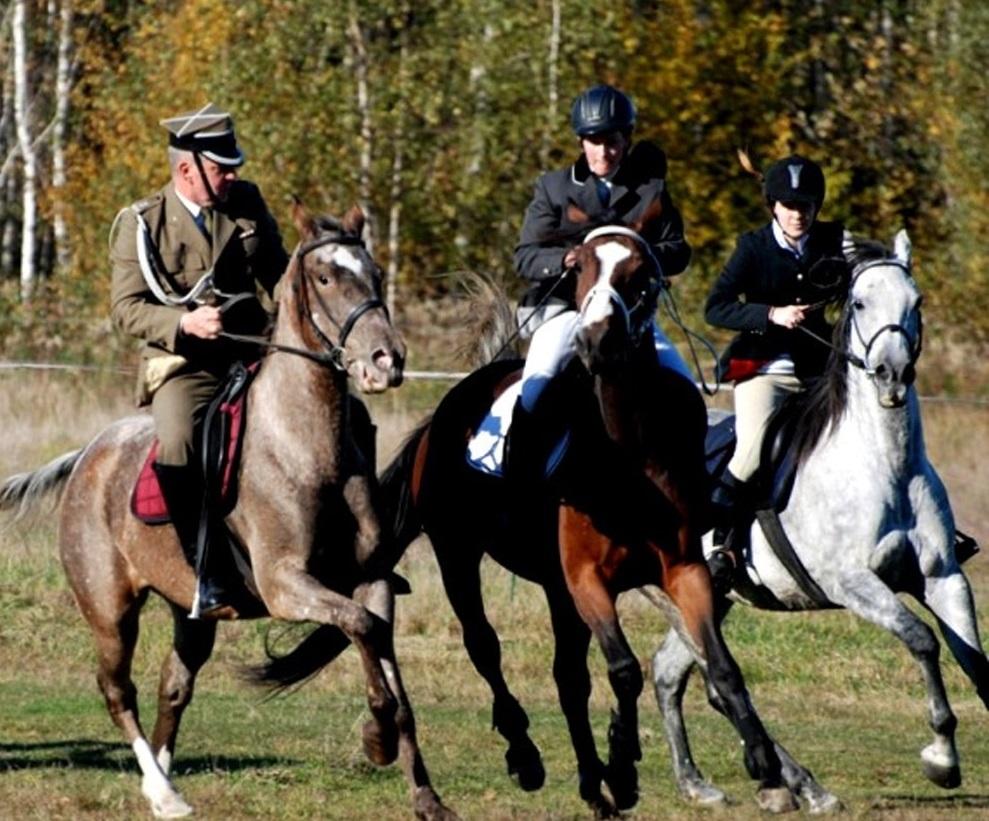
304,520
868,518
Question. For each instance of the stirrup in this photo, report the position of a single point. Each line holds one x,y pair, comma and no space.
208,599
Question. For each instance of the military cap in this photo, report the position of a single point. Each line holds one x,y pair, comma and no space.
208,131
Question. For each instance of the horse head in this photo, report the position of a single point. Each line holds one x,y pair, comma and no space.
881,324
336,304
618,281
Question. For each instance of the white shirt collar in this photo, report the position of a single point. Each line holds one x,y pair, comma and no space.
785,245
190,206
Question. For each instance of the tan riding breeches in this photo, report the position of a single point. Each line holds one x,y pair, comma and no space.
178,408
755,401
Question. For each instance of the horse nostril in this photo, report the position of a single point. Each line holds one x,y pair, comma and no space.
882,371
382,359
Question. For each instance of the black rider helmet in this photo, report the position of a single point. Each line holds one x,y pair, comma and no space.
601,109
795,179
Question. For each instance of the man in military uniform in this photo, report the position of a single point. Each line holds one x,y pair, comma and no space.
178,257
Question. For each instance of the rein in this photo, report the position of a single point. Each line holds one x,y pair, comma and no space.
333,352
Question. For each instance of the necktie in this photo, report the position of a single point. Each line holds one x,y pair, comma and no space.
206,217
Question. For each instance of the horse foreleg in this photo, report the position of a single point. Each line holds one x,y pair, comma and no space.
864,593
367,541
460,571
192,645
292,594
580,548
379,598
949,598
688,584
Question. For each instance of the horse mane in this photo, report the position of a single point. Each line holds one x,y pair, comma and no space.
824,403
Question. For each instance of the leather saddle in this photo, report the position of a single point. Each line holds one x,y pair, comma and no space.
222,437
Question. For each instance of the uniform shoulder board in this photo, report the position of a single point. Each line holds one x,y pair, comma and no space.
147,203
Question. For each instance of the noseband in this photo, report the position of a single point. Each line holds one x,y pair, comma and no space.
646,298
335,350
914,345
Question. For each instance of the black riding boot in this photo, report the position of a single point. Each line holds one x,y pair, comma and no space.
525,456
728,503
182,487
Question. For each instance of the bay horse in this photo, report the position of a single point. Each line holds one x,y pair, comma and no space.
625,508
305,516
867,517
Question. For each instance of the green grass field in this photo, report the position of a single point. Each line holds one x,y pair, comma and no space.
843,696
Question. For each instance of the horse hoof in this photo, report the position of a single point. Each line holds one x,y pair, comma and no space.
776,800
823,803
940,770
525,766
702,793
623,783
170,806
603,808
380,743
428,807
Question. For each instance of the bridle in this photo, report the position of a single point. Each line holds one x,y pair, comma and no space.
637,317
862,363
332,353
913,345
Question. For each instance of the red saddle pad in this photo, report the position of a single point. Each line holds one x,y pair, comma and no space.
147,502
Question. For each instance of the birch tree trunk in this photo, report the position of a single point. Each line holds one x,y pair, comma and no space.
553,83
28,155
359,53
63,87
398,161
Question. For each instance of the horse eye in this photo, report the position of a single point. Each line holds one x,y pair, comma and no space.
323,279
858,304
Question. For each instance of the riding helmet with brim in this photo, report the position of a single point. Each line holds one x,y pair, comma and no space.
601,109
795,179
208,131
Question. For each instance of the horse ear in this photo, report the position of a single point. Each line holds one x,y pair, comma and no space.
653,212
902,246
303,220
848,244
353,221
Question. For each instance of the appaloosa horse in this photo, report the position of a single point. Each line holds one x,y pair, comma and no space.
633,490
304,518
868,517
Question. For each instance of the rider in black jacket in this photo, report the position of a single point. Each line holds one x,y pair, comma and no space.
767,292
612,183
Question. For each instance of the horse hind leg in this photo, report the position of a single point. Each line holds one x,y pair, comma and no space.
191,647
116,637
689,586
460,570
671,667
379,598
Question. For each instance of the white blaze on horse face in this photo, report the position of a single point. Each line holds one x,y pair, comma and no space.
599,307
342,257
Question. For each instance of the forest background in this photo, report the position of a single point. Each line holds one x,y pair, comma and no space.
437,116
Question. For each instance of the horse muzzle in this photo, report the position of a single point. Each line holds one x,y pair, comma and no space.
892,384
384,369
601,347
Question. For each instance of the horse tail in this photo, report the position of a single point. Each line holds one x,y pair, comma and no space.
492,331
23,491
324,643
279,673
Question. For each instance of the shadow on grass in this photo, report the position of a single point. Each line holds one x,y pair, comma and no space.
958,801
86,753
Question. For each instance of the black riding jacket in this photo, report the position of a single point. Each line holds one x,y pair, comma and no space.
547,233
760,275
